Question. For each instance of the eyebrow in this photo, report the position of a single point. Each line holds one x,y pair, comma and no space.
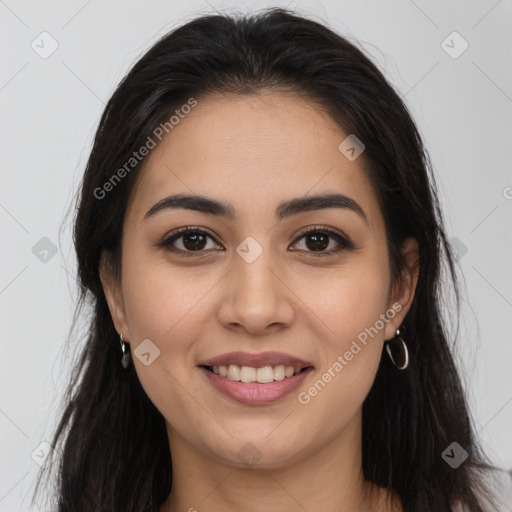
284,210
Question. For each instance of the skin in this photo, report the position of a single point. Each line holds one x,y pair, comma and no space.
254,152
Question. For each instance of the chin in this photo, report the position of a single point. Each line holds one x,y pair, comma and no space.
259,452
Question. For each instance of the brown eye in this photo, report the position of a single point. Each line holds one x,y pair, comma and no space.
188,241
194,241
316,240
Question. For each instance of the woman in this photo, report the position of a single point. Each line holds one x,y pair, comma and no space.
259,235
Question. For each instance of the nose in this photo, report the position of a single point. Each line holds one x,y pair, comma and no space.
257,297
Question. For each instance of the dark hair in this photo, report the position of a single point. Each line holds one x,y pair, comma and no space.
115,453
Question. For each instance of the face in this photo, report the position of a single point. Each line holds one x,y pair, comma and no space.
267,287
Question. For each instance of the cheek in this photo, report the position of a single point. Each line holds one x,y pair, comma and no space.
164,306
351,305
353,308
170,309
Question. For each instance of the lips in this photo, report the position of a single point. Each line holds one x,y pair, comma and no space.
256,360
256,378
255,393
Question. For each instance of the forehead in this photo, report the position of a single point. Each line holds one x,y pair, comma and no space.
253,151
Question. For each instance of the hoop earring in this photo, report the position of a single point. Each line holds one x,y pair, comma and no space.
125,360
397,351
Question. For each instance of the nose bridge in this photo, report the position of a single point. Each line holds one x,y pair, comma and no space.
253,276
256,297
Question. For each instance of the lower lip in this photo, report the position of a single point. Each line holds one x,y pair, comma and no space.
255,392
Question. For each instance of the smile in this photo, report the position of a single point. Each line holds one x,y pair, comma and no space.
262,375
253,392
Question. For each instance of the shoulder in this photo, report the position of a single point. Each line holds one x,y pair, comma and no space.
499,483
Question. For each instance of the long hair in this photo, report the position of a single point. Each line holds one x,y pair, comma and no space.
111,441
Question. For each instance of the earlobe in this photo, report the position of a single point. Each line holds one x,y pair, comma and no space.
404,290
113,294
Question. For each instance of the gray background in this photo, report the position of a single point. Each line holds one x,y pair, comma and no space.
50,108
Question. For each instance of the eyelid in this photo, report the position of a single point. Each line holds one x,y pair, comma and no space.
185,230
323,229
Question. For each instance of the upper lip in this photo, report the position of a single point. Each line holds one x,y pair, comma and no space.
256,360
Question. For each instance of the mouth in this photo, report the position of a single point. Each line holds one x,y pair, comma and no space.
264,367
256,378
262,375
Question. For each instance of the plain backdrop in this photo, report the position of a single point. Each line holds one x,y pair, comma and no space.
461,99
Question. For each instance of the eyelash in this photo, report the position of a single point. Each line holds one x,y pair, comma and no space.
343,241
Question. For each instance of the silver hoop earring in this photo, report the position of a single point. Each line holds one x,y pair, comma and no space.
125,360
397,351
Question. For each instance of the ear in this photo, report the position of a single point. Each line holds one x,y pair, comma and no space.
402,294
113,293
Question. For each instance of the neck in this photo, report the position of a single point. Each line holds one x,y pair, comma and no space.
330,480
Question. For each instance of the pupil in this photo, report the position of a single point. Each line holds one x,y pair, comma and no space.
195,241
320,241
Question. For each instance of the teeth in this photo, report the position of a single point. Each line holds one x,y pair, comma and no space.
279,372
262,375
233,372
265,374
248,374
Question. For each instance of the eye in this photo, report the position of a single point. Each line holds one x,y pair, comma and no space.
193,241
318,238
